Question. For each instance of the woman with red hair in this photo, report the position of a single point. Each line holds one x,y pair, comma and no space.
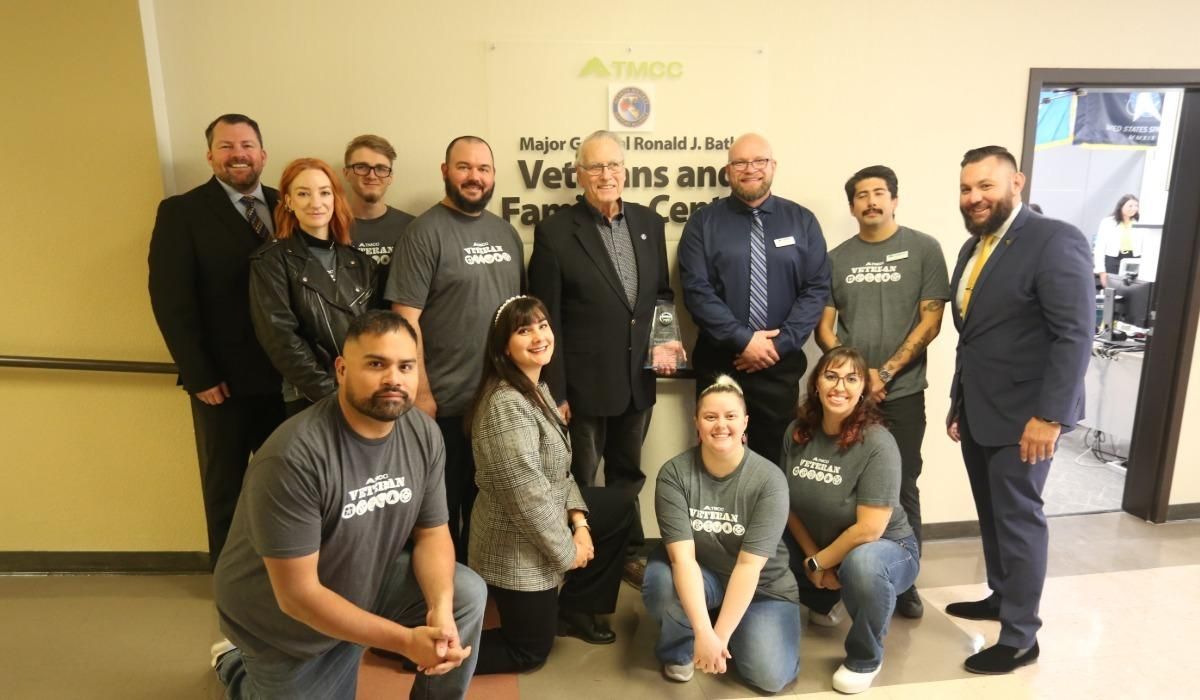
308,283
850,543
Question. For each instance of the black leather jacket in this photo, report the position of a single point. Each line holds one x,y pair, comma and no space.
301,315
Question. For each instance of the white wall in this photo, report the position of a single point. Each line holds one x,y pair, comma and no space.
847,85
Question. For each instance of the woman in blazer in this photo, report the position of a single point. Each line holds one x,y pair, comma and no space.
532,528
308,283
1117,239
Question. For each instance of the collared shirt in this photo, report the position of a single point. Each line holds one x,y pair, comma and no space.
615,234
260,203
999,234
714,264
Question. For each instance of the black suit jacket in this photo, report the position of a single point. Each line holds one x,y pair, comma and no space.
1024,347
200,291
601,341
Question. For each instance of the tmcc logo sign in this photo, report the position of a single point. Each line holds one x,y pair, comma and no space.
626,70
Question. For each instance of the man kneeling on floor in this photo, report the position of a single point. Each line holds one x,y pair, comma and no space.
315,567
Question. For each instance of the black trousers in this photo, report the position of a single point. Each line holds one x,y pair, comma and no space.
529,619
618,441
771,394
905,418
226,436
460,482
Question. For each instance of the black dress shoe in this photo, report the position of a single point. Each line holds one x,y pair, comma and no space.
975,610
1001,658
585,627
908,604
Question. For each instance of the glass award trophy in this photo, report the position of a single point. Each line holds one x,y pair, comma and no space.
665,354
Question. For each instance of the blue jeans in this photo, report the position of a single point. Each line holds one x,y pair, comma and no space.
872,575
334,674
765,645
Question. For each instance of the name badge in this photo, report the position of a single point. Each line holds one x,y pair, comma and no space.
897,256
781,242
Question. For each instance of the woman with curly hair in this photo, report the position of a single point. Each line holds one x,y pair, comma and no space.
851,544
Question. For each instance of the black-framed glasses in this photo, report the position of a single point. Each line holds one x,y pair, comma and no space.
597,168
363,169
742,165
849,381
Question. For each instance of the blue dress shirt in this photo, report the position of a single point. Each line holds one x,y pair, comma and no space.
714,264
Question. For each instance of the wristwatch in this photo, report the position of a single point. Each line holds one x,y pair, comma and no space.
813,565
582,522
885,374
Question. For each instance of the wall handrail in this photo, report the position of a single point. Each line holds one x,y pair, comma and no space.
88,365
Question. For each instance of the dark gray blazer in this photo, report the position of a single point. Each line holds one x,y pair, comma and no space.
1025,344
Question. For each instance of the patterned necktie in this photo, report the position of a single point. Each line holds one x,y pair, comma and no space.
758,273
260,229
988,242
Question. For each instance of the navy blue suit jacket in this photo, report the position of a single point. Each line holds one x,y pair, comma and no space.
1025,344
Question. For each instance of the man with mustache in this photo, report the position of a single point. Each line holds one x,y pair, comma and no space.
369,163
889,288
316,567
755,278
1024,311
200,291
451,270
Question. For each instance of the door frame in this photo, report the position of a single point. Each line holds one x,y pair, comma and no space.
1158,418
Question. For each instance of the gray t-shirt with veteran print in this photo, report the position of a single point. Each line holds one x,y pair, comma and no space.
827,486
316,485
377,237
746,510
878,289
457,269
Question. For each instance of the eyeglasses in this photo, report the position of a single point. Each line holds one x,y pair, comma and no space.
850,381
742,165
597,168
363,169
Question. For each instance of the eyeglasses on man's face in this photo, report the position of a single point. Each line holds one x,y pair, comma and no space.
363,169
743,165
597,168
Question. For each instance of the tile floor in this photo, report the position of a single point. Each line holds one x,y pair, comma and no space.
1121,611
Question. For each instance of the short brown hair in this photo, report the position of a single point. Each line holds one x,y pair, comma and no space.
376,143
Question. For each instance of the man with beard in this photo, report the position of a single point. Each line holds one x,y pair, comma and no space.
1024,311
368,172
453,267
200,291
316,566
889,289
755,279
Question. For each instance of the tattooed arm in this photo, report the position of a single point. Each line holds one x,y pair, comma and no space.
927,328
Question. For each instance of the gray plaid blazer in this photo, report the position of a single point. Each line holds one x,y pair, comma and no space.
520,539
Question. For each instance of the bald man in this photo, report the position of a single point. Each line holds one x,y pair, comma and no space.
755,279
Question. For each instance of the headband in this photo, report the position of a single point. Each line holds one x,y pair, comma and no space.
505,305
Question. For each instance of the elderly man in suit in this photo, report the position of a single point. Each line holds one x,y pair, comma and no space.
199,290
600,267
1024,311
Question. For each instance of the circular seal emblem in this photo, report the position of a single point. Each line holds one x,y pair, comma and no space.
666,318
631,107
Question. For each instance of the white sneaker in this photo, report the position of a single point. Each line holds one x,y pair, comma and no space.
220,649
833,618
681,673
851,682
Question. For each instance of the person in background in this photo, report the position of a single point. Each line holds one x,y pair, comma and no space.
719,587
307,284
533,529
849,538
1117,239
369,169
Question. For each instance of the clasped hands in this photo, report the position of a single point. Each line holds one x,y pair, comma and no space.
759,353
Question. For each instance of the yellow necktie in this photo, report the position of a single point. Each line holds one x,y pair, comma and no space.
988,242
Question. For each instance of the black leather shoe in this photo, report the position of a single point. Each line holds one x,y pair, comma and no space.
908,604
586,627
1001,658
984,609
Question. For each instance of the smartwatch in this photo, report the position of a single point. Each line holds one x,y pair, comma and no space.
813,565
